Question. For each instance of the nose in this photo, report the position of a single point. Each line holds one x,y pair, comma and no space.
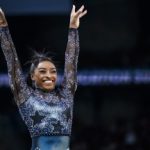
48,74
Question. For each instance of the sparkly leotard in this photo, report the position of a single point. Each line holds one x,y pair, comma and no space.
46,114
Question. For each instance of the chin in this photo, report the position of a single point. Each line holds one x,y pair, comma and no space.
48,89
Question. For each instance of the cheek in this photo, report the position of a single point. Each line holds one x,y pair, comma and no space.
56,76
36,77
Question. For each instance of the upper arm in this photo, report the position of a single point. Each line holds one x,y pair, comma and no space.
16,78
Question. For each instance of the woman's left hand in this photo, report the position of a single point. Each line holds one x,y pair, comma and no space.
75,16
3,21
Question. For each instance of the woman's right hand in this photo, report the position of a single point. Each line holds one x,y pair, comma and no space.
3,21
75,16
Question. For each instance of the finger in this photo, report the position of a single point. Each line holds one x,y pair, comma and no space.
73,9
83,14
80,9
2,16
2,13
79,12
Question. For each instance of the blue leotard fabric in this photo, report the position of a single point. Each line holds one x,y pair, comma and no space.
44,113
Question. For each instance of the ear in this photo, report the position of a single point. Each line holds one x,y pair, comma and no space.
32,77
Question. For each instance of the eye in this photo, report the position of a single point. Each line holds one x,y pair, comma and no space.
53,71
42,71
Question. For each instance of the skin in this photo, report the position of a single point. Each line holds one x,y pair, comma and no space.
46,71
3,22
45,76
74,17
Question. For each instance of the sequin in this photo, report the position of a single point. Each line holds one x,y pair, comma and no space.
43,113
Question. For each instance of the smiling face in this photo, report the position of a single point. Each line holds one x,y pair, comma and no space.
45,76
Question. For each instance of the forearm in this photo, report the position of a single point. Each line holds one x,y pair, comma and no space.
8,49
7,46
71,59
14,70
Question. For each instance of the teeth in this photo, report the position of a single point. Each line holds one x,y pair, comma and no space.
48,81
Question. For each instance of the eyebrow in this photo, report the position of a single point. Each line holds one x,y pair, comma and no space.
45,68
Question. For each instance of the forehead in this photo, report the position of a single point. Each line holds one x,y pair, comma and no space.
46,65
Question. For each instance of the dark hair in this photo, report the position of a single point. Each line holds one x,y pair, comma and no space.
35,60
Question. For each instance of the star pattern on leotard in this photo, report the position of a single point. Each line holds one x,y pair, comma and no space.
39,123
57,127
37,118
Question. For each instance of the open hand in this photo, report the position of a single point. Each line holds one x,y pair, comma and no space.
76,15
3,21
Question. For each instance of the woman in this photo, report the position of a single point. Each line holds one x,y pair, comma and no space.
46,111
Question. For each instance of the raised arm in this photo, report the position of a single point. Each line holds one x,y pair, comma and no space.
16,79
72,50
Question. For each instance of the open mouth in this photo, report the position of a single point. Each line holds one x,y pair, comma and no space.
48,81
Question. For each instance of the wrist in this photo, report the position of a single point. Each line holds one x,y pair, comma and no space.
73,26
73,29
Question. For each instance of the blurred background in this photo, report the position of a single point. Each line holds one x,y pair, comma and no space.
111,109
